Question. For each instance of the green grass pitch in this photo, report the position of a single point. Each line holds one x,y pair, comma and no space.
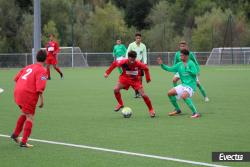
79,110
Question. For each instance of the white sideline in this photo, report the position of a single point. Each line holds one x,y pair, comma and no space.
122,152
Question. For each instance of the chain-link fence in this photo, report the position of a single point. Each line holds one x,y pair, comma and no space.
17,60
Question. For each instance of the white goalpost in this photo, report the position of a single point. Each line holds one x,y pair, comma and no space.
71,57
229,55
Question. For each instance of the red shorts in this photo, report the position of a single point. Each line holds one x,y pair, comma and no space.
135,84
51,60
27,102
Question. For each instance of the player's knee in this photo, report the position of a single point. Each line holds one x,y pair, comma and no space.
170,93
143,94
116,90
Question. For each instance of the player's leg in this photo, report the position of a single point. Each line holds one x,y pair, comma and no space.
137,94
27,131
147,102
172,97
186,97
58,70
202,90
19,127
118,96
48,71
176,78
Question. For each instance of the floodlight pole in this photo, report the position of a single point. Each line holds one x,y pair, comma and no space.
37,29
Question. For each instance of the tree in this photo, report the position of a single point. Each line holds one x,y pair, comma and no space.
136,12
160,36
48,29
102,27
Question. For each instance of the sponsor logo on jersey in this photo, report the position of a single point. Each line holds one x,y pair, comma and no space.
43,78
132,72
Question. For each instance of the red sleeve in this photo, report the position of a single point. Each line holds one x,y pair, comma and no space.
41,78
146,70
111,67
18,75
57,49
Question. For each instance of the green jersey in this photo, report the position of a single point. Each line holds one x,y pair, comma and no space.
187,73
119,51
177,59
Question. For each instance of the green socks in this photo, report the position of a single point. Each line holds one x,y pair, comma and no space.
202,90
174,102
190,104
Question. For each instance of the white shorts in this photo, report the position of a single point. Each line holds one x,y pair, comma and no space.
180,89
177,75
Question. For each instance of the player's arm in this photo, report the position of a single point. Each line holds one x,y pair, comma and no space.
146,70
41,79
175,58
18,75
174,68
194,59
110,69
113,53
124,49
144,54
41,100
191,68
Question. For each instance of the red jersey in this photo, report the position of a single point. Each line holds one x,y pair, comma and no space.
30,81
52,49
130,72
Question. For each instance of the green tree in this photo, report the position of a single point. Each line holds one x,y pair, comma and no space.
25,34
136,12
102,27
48,29
161,34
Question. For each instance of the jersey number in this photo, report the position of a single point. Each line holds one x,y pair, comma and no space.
28,71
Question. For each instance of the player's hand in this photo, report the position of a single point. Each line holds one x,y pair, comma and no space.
41,105
159,61
148,81
106,75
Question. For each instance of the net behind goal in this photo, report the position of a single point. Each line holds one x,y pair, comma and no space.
71,57
234,55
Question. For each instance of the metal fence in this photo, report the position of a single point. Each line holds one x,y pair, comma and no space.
17,60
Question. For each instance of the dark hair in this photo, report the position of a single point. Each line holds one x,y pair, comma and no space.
185,52
138,34
41,56
132,54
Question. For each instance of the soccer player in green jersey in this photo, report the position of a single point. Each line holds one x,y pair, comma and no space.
187,72
192,57
119,52
141,50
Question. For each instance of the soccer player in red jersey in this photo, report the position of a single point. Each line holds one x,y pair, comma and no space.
52,49
30,84
131,76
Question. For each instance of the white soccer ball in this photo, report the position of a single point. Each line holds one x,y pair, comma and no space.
126,112
1,90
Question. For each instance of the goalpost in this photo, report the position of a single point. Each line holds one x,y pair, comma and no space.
71,57
229,55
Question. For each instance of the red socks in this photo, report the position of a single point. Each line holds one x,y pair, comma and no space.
58,70
148,102
48,72
119,98
27,131
19,125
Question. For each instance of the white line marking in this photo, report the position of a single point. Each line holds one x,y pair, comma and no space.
122,152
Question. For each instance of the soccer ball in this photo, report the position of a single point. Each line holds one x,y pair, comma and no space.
1,90
126,112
